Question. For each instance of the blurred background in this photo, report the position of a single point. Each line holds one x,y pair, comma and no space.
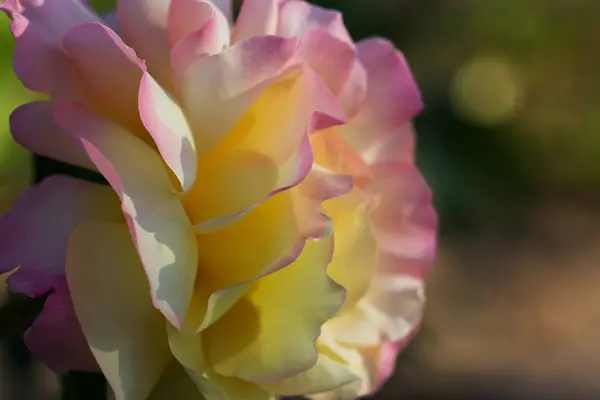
510,143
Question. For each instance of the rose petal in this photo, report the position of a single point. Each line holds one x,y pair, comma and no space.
56,335
208,38
188,349
175,383
218,90
33,127
404,221
159,225
39,27
400,299
226,7
34,233
143,25
329,373
355,256
296,17
166,123
109,72
188,16
282,316
267,151
225,275
257,18
331,58
52,18
110,296
392,98
399,146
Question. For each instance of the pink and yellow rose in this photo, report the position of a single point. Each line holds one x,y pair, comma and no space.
265,232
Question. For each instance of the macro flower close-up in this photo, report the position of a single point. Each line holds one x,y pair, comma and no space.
262,229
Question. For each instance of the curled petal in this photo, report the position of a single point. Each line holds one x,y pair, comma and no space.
207,38
159,225
110,295
168,126
282,316
188,16
33,127
56,336
34,233
109,72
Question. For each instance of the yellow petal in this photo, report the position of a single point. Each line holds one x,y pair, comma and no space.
329,374
112,301
355,255
230,259
176,384
270,334
188,348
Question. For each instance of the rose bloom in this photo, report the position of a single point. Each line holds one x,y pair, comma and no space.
265,232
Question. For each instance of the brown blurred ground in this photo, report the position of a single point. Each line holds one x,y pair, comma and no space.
512,317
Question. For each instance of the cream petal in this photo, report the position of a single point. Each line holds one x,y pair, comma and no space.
110,295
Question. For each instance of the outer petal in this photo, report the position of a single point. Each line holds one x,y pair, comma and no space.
159,225
392,99
38,27
397,301
297,16
398,146
110,295
56,336
34,234
165,121
52,18
33,127
257,18
143,25
109,72
282,316
404,221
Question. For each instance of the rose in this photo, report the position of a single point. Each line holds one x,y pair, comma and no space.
214,132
